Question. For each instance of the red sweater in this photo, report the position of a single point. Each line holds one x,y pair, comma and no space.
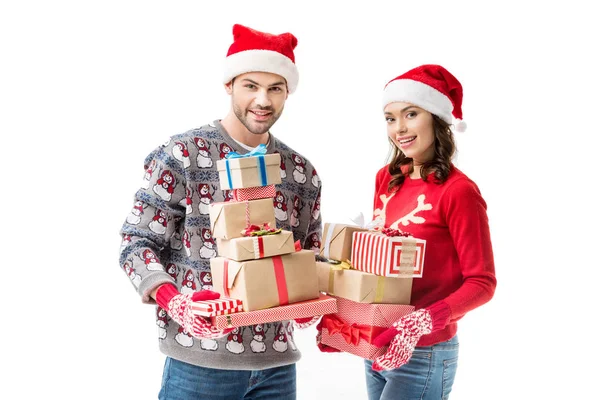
458,271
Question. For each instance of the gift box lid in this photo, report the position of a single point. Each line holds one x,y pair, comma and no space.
248,162
371,314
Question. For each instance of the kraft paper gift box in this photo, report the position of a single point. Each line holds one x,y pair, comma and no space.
337,241
309,308
255,247
246,172
220,306
355,325
267,282
228,219
364,287
378,254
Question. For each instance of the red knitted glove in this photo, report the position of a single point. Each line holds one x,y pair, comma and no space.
323,347
406,333
179,307
303,323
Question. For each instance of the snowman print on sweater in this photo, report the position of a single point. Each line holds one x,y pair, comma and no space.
258,338
165,185
295,216
315,178
280,206
186,202
184,338
135,278
135,216
224,149
151,260
208,249
206,280
206,197
188,286
299,173
280,339
290,335
172,271
181,154
148,174
161,322
316,208
235,343
175,241
125,242
186,240
203,159
282,171
158,224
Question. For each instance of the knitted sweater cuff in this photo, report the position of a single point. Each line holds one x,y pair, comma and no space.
164,294
440,315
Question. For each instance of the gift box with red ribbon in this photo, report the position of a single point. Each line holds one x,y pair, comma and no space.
220,306
309,308
255,247
267,282
387,253
229,219
355,325
254,193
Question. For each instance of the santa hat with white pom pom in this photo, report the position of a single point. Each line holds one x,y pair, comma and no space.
432,88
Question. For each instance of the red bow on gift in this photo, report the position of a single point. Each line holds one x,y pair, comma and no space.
352,333
394,232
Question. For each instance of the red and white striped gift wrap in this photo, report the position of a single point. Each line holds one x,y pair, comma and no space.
309,308
360,316
220,306
254,193
378,254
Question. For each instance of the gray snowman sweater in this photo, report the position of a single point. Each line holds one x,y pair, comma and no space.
167,239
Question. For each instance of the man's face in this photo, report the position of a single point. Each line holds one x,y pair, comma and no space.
257,99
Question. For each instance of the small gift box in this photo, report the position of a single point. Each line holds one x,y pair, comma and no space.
380,254
343,281
255,247
310,308
255,168
229,219
267,282
355,325
254,193
220,306
337,241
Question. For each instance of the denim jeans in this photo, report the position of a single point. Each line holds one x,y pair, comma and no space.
183,381
428,375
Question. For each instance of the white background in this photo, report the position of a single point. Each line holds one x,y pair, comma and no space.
88,89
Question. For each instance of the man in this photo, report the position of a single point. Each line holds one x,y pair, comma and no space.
169,244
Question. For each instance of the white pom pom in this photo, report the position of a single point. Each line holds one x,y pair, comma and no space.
461,126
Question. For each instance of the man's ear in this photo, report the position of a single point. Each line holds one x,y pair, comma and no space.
229,87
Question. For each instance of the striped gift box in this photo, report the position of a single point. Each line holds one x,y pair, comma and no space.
220,306
362,316
254,193
378,254
321,306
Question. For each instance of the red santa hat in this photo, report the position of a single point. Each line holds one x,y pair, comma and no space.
254,51
430,87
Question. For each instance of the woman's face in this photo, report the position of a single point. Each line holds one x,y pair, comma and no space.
411,130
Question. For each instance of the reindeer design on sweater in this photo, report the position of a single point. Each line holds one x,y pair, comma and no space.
407,219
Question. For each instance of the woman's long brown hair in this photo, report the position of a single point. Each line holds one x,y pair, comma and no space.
440,164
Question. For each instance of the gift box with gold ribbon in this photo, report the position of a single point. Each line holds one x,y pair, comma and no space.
343,281
267,282
355,325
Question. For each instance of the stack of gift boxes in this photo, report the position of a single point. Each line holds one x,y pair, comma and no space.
258,265
370,273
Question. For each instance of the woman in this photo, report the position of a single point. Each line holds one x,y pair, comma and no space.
422,193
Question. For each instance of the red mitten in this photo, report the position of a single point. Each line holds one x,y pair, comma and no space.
407,332
179,307
323,347
303,323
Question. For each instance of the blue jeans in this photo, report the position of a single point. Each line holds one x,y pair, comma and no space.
428,375
183,381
